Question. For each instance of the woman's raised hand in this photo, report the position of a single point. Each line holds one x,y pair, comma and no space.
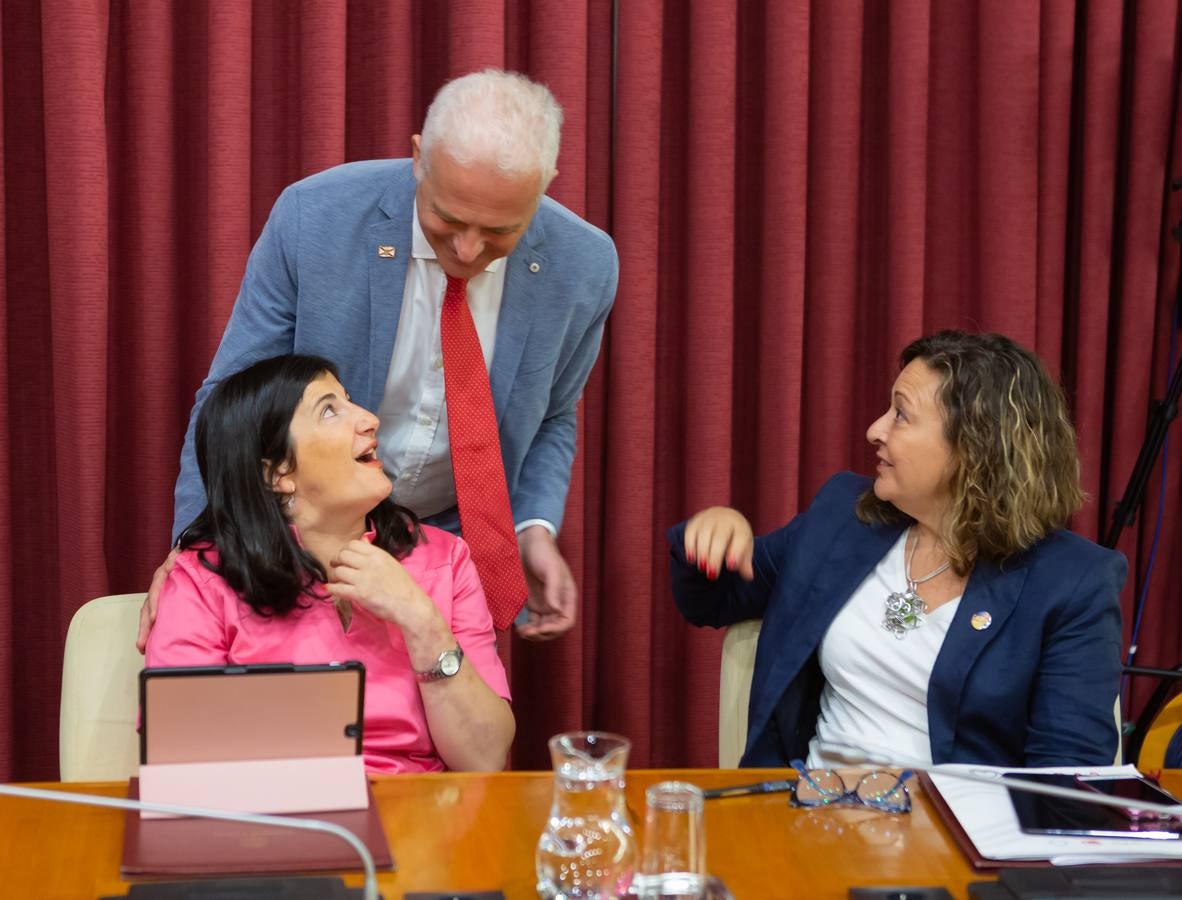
718,537
368,575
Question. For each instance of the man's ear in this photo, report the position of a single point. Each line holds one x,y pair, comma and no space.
279,477
416,152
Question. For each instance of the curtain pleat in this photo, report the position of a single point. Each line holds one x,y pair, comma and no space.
74,386
620,617
832,335
1055,73
145,209
901,126
322,63
797,189
475,32
32,510
8,638
771,227
1089,320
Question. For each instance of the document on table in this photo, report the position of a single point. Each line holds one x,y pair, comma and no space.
987,816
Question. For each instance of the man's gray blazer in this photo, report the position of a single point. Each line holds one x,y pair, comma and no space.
315,283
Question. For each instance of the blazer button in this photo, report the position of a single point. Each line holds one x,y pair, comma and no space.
535,268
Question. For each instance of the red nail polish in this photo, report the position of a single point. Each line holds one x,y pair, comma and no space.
689,557
711,573
731,562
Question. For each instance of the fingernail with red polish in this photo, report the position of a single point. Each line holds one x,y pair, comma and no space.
731,562
711,573
689,557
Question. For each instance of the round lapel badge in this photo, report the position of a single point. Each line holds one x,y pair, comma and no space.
981,620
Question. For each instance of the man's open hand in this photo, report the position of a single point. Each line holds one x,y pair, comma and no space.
553,597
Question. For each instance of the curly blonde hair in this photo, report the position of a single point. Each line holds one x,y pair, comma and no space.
1016,466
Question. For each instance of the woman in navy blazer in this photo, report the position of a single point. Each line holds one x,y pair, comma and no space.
940,611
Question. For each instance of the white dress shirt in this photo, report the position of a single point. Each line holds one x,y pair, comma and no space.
412,440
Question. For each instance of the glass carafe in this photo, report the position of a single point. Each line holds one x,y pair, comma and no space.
587,849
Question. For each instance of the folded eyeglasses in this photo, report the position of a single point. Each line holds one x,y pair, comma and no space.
878,790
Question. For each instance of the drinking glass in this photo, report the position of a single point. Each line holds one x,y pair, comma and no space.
674,861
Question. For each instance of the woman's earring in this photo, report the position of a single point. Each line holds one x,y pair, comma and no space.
289,503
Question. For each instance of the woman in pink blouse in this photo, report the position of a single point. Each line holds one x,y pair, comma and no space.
301,556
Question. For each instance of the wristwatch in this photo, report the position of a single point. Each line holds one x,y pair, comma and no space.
446,666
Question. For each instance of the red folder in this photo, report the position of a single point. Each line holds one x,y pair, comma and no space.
167,847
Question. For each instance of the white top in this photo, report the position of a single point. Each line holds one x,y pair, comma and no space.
412,440
876,686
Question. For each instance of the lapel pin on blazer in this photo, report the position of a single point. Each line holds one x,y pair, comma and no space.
385,251
981,620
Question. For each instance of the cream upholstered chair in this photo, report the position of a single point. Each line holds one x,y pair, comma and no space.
97,740
734,690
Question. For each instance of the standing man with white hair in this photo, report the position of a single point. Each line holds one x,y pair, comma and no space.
462,305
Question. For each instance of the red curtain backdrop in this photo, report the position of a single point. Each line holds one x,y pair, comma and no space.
796,189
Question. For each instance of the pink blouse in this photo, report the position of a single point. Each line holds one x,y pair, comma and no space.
201,621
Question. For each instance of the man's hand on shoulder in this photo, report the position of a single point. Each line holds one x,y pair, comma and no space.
148,610
553,597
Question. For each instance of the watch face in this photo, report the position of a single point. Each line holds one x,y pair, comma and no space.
449,664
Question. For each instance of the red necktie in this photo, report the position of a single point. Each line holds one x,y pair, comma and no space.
486,518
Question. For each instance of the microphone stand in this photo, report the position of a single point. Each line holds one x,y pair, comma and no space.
370,891
1160,417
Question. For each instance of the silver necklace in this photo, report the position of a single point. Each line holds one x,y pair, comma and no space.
904,611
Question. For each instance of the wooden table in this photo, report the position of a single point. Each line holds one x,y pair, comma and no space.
468,832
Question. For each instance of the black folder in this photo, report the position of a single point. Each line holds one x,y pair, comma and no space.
1103,882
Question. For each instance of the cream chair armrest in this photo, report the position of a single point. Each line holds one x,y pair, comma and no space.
734,690
97,739
1120,741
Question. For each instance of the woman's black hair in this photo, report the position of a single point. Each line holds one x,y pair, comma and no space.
243,434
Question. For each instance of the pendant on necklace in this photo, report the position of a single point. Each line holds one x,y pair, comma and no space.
903,612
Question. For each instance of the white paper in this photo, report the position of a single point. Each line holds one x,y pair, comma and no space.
988,818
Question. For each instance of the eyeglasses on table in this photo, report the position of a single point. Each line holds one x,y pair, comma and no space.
825,787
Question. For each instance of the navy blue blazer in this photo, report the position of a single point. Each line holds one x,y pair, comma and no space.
1035,688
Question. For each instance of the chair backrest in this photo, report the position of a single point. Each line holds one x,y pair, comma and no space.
734,690
1158,736
97,740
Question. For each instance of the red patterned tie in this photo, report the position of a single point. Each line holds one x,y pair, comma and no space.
486,518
